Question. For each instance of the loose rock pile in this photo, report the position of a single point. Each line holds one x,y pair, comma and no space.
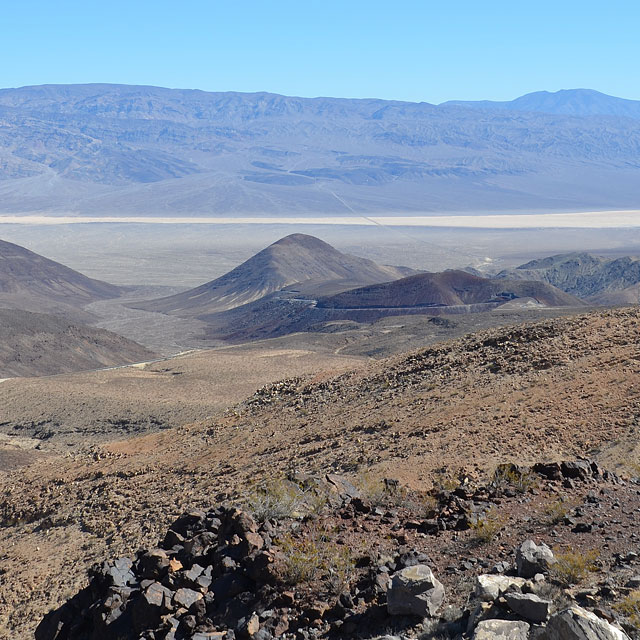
224,575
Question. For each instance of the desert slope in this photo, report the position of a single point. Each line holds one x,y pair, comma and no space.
295,258
545,391
34,344
35,283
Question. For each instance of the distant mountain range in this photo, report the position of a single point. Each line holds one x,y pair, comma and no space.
574,102
118,149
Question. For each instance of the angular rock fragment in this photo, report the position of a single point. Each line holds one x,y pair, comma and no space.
491,587
576,623
414,591
501,630
528,606
532,558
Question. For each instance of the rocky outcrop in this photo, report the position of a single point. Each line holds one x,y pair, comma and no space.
532,559
414,591
224,574
576,623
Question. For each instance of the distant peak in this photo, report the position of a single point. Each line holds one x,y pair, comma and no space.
301,240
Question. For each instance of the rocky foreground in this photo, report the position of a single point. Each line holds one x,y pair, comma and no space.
549,391
548,552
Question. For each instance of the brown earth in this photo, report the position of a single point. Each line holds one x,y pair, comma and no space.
35,283
550,390
35,344
84,407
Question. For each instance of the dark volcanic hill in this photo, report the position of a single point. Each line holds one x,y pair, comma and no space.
433,294
448,288
606,280
34,344
35,283
295,258
100,148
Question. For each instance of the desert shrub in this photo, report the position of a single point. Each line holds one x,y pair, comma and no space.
380,492
629,607
487,526
557,510
572,567
275,499
314,555
509,475
444,481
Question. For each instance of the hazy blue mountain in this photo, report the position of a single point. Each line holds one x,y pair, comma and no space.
573,102
121,149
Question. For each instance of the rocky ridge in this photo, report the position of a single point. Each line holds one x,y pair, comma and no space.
358,563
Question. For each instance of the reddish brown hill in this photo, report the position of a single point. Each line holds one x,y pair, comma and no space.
448,288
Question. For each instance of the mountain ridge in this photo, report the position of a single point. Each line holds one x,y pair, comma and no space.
601,280
577,102
89,149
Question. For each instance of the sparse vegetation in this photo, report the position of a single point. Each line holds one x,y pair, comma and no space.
509,475
314,555
487,526
381,492
275,499
556,511
572,567
629,607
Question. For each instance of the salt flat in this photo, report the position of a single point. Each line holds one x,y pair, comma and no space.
578,220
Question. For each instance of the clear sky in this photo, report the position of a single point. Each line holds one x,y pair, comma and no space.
402,49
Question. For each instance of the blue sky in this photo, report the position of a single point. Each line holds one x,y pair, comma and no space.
408,50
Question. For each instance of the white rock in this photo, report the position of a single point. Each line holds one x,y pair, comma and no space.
501,630
576,623
491,587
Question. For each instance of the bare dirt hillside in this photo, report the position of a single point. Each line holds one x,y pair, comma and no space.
295,258
545,391
35,344
35,283
90,406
